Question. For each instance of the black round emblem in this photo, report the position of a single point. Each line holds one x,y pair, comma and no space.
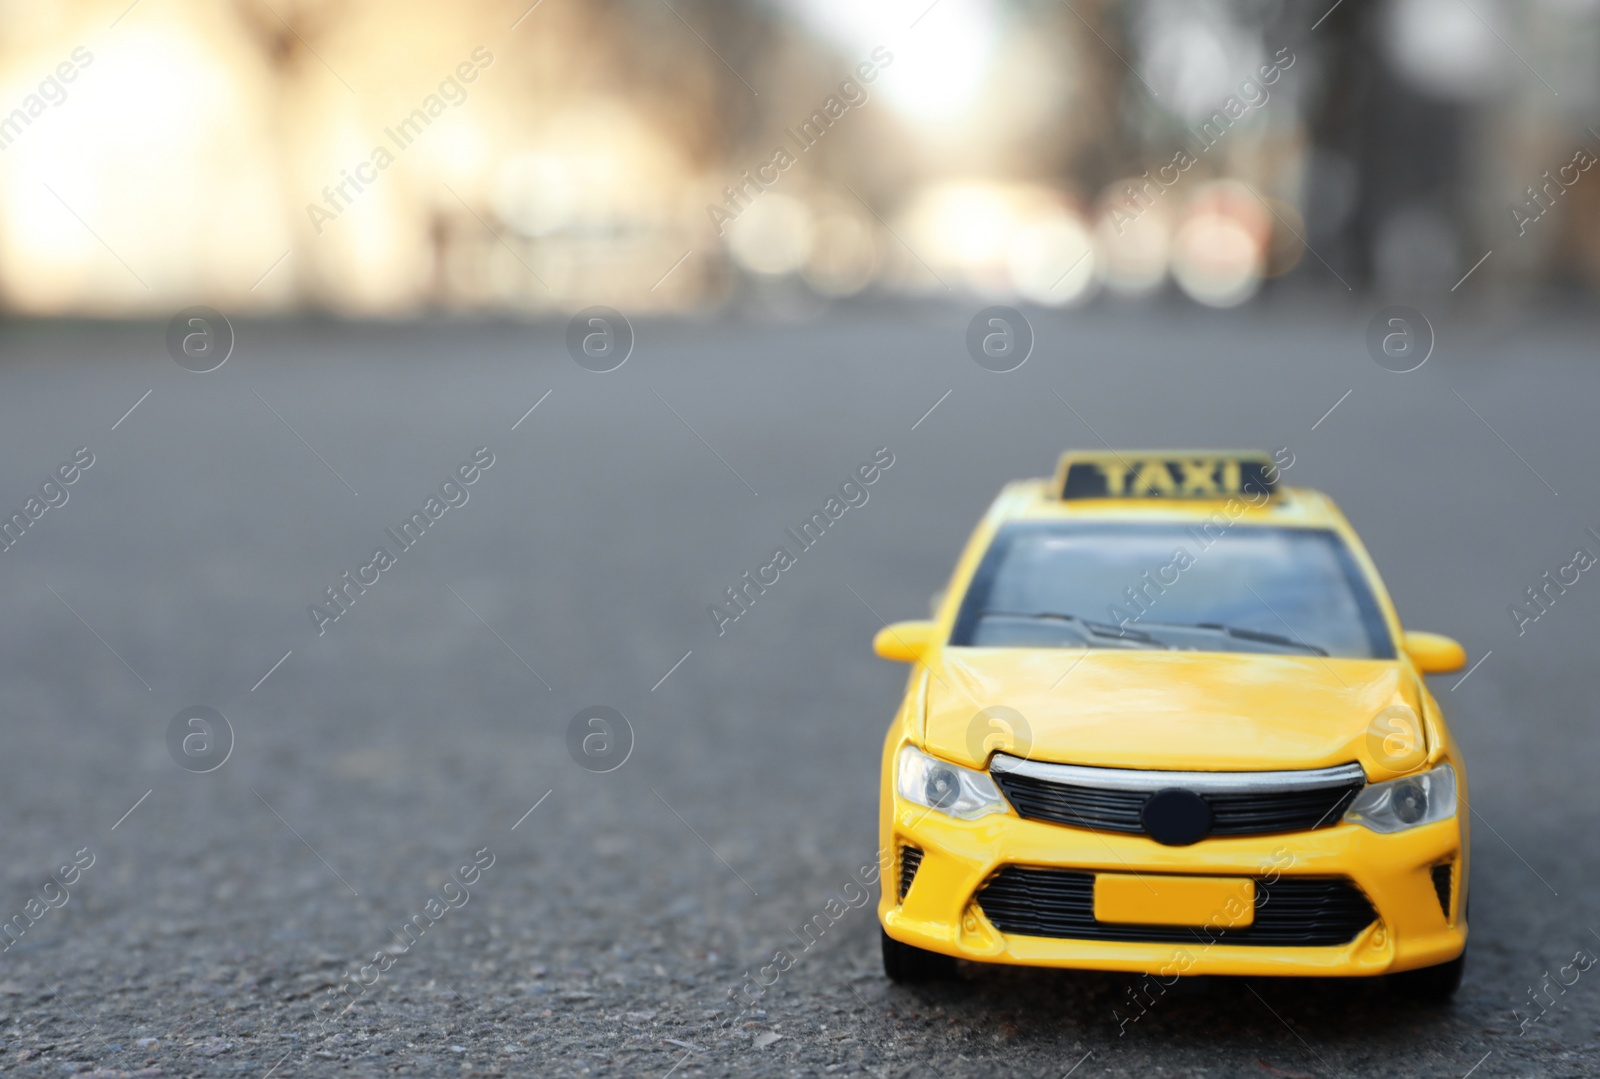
1176,817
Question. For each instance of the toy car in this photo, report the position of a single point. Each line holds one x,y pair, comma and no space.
1165,720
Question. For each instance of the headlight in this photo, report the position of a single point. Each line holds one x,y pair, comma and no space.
949,788
1409,802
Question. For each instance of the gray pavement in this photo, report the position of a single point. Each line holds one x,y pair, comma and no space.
603,917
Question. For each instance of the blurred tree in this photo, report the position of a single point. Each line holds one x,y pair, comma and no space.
1384,181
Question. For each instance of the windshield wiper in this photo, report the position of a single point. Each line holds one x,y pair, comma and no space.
1244,634
1098,629
1113,631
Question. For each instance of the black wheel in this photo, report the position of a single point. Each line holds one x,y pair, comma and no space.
910,965
1430,985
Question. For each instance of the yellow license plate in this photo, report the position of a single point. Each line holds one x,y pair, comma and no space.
1149,899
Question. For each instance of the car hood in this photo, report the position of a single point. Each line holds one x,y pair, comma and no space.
1170,710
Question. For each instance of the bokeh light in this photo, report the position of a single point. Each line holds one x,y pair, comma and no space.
1052,260
1134,239
1219,250
772,236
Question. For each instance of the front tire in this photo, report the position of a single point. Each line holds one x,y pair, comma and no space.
910,965
1431,985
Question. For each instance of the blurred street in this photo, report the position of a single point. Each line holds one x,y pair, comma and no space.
380,157
426,728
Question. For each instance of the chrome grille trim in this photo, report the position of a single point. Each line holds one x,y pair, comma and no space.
1132,779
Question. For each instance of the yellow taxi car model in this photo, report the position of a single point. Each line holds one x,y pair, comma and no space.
1165,720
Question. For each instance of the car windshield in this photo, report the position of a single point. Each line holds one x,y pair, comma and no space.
1291,591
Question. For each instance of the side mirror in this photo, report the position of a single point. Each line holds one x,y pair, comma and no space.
904,641
1435,654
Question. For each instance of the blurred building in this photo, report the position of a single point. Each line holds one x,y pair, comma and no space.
387,157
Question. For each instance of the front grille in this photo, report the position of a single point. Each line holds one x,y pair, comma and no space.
1297,811
1084,803
1085,807
1441,885
1290,911
910,859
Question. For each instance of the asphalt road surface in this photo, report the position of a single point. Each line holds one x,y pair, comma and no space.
410,764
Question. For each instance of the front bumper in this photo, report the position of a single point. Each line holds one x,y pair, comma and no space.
942,910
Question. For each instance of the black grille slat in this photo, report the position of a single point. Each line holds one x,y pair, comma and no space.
1108,810
910,861
1441,885
1290,911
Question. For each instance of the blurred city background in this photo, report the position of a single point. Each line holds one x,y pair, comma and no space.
381,157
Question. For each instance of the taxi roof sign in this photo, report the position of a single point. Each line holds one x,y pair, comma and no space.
1165,474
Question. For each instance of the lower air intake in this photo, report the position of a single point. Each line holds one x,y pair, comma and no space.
1290,911
910,860
1442,875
